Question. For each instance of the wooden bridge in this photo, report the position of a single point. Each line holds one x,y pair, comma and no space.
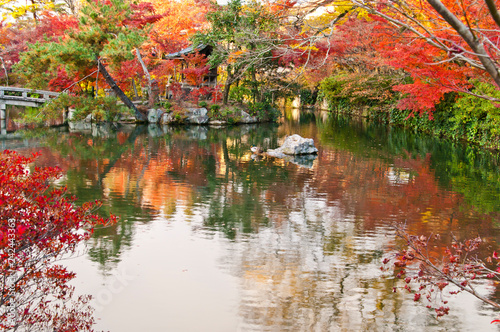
20,97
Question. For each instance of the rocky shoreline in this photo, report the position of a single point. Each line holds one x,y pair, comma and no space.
158,116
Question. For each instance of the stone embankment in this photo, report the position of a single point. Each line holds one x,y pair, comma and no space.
191,116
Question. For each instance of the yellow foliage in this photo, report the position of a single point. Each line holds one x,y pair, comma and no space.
322,17
15,9
303,48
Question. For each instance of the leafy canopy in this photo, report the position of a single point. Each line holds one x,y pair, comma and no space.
108,30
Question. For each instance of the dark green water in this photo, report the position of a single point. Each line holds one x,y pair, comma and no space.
211,239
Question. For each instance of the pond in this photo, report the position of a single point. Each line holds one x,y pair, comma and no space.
213,239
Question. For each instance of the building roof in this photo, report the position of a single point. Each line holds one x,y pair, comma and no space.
188,50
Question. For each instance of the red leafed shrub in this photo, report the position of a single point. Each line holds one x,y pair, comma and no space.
433,278
176,90
38,225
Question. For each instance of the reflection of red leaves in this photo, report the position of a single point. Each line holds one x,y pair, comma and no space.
441,311
400,264
121,137
442,285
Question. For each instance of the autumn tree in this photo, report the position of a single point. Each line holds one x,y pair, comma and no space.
179,22
244,37
441,44
107,34
38,226
16,36
355,73
31,10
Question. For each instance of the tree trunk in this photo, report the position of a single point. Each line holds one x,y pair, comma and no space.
153,89
255,90
119,93
135,89
225,93
227,86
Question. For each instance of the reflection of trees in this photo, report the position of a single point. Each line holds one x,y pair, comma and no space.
320,272
376,175
139,176
321,231
472,172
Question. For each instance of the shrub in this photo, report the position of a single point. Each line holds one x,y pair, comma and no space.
348,90
477,119
214,110
101,108
167,106
239,93
264,111
307,97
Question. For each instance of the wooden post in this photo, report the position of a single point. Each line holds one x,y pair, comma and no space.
136,95
5,70
3,119
119,93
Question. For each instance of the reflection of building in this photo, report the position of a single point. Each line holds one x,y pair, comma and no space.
210,79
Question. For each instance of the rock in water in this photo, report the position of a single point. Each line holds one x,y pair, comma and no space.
294,145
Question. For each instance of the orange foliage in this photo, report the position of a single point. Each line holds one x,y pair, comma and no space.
181,19
419,41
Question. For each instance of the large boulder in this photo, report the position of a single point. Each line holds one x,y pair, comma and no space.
197,115
294,145
246,118
154,115
167,118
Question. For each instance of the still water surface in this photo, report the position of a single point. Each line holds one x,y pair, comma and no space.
211,239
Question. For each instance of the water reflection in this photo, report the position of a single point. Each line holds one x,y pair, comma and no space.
303,244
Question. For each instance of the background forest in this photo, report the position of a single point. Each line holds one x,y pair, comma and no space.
431,65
